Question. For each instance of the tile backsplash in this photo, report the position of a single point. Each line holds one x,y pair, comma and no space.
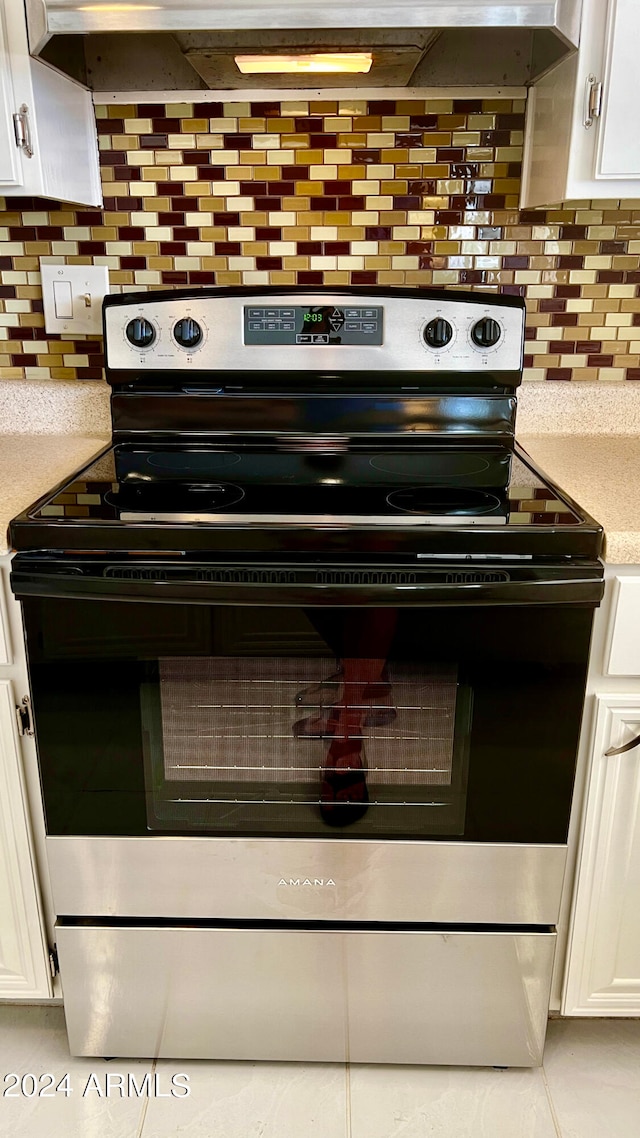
389,192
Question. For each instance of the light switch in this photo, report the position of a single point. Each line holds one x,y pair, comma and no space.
72,296
62,300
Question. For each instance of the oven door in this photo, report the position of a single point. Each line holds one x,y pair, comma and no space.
284,701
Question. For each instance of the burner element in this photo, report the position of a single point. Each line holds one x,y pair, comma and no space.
160,497
442,500
191,461
431,466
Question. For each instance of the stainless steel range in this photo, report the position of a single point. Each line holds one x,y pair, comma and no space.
307,647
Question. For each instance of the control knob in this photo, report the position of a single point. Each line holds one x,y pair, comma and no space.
438,332
486,332
140,332
187,332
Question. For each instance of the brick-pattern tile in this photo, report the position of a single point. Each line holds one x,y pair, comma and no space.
396,192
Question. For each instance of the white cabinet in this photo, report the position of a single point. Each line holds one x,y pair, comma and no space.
24,954
618,149
48,142
623,655
582,139
603,962
603,977
10,164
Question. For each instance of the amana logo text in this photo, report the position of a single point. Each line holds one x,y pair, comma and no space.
324,881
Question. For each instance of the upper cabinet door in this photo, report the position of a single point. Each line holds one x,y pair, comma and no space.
582,138
53,153
10,165
619,143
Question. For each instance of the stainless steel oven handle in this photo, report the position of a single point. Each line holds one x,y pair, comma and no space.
625,747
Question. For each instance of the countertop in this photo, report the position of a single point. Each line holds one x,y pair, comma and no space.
602,472
31,464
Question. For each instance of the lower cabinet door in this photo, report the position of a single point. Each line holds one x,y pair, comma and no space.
303,994
603,970
24,964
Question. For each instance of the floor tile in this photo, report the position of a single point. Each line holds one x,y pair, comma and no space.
592,1069
449,1102
251,1100
33,1040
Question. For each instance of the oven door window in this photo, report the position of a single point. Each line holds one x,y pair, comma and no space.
458,723
293,741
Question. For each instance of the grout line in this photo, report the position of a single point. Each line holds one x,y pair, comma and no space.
145,1105
554,1116
348,1090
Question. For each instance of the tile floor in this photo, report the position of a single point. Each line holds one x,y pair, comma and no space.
589,1087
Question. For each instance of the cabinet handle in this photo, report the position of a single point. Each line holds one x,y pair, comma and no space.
22,128
592,101
625,747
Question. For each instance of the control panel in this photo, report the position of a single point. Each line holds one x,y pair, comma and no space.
321,331
319,324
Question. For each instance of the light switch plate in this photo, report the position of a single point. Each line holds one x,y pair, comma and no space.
72,297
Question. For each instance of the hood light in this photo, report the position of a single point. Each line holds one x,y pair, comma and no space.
354,63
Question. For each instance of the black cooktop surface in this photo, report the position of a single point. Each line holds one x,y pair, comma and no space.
166,496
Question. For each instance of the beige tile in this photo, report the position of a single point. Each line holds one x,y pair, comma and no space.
593,1074
456,1102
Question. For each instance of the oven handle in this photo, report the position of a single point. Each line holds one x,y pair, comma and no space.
584,590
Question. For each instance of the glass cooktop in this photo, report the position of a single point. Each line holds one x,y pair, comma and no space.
313,482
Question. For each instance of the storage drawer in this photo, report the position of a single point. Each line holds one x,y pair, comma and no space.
285,993
624,642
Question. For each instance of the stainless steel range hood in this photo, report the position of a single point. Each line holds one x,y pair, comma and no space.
173,44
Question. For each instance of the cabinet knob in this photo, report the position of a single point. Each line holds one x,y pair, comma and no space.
625,747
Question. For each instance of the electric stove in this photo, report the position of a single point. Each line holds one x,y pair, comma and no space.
308,646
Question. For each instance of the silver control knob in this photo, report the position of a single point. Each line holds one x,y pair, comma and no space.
140,332
187,332
486,332
438,332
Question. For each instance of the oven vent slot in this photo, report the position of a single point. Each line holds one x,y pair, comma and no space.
476,576
249,576
365,577
330,576
268,576
131,574
216,576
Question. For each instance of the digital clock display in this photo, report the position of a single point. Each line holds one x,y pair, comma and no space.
314,325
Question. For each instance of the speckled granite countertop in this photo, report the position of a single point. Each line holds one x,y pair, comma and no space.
31,464
602,473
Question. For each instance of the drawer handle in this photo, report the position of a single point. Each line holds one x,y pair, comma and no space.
625,747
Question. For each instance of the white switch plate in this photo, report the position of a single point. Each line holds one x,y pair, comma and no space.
88,283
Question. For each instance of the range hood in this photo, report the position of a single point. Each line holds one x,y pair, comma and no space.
194,44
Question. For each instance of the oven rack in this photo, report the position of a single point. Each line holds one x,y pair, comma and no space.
297,802
289,769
